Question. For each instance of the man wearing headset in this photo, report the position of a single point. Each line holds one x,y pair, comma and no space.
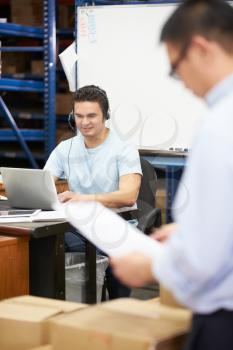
97,164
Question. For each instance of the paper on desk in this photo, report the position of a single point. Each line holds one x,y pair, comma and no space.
107,230
68,59
11,220
53,215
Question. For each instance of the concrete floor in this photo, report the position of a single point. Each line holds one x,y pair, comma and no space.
148,292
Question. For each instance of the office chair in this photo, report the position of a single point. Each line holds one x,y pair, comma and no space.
148,215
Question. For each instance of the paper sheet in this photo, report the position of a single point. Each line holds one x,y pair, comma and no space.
107,230
52,215
68,59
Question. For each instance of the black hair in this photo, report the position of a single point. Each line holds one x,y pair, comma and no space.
93,93
213,19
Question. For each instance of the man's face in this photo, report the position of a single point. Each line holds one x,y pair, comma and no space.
189,65
89,118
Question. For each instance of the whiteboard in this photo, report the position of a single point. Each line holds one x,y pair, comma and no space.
119,50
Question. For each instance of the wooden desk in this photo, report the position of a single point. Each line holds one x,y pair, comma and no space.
2,189
47,257
14,272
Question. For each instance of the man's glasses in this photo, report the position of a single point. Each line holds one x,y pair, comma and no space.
175,65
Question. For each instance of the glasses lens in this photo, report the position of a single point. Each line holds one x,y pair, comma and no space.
173,73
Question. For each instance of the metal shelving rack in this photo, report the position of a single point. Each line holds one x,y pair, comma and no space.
47,87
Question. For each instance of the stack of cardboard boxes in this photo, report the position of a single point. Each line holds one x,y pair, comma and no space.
25,321
37,67
14,64
33,323
66,16
64,103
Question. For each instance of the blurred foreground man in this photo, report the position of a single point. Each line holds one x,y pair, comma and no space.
195,259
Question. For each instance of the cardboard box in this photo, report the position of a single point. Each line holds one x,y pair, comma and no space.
166,298
43,347
60,305
65,16
13,63
64,104
63,133
27,12
123,324
25,321
24,326
142,308
153,300
37,67
9,70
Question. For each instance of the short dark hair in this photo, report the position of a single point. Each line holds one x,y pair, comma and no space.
213,19
93,93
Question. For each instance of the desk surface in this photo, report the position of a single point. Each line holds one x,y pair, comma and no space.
163,153
164,159
32,229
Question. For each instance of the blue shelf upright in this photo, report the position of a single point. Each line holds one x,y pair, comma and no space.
45,86
50,74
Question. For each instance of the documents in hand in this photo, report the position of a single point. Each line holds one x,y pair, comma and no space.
107,230
53,215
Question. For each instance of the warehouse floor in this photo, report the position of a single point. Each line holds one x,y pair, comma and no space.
148,292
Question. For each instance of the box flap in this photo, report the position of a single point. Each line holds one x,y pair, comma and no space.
144,309
63,306
43,347
167,298
103,320
26,312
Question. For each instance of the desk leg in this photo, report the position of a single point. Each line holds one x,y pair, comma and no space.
173,175
90,286
47,267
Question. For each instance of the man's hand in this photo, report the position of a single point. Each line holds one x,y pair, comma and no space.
71,196
164,232
68,196
134,270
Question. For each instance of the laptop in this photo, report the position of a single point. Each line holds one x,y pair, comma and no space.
29,188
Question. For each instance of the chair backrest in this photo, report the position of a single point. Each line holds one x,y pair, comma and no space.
147,215
146,197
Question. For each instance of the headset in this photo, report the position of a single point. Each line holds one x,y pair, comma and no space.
96,90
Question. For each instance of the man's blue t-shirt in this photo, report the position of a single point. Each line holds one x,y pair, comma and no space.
94,170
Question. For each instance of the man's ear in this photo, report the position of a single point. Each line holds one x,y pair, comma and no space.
202,44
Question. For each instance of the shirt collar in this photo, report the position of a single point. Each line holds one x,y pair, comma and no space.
219,91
